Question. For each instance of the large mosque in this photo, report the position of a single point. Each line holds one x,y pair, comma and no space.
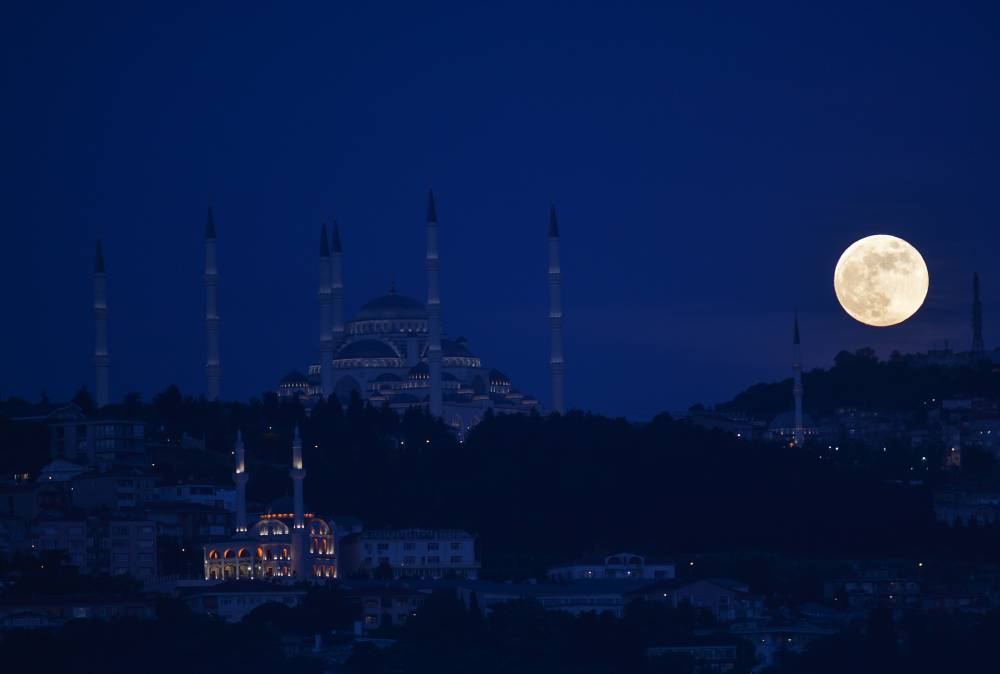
394,352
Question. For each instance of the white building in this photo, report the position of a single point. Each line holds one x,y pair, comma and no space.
410,553
624,565
203,494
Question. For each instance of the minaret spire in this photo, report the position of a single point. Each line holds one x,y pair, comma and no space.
240,477
102,360
213,369
799,431
557,364
433,307
298,474
337,290
325,330
978,346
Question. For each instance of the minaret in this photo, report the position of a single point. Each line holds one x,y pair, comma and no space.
337,288
799,432
325,334
433,307
557,365
240,477
213,370
298,474
101,358
977,319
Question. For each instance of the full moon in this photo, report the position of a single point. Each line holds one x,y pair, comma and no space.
881,280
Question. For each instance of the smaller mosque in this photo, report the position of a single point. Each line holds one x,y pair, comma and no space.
286,542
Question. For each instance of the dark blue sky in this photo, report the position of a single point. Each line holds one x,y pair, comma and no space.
709,163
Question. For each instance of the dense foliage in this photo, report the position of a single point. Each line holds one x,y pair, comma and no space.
861,380
542,490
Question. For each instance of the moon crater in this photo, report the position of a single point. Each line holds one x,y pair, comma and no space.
881,280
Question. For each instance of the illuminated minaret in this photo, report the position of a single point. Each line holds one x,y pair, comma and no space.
977,318
337,288
797,384
213,369
298,474
101,358
240,477
557,365
433,307
325,334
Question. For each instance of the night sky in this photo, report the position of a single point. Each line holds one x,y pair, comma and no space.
709,164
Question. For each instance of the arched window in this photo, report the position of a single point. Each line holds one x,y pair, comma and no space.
227,554
243,553
213,554
260,553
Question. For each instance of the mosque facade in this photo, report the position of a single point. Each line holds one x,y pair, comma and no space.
394,351
287,542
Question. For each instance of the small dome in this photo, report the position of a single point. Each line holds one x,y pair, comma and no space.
294,378
387,376
498,378
366,348
392,306
448,376
284,505
420,371
458,348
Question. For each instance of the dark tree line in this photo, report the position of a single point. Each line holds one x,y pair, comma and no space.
860,379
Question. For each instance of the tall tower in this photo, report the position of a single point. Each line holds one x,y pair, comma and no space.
557,365
298,474
337,288
977,318
325,334
240,477
101,357
213,370
799,432
433,307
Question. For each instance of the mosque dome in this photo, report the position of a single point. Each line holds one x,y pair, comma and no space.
284,505
392,307
366,348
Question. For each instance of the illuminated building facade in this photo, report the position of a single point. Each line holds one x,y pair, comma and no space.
286,542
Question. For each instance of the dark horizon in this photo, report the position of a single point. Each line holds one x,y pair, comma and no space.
709,166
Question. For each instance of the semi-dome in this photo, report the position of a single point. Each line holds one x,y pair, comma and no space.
498,378
295,378
457,348
366,348
392,307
